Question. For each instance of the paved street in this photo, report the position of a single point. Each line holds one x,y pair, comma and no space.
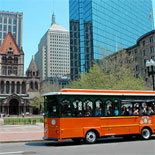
106,147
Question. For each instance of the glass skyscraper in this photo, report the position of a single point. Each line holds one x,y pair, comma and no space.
99,28
11,22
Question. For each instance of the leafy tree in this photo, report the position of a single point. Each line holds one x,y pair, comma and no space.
37,102
100,78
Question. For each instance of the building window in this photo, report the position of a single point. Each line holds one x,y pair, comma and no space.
31,85
144,52
9,28
137,67
151,49
5,20
14,35
7,87
16,60
23,88
9,70
144,43
153,58
4,70
14,21
5,28
14,28
18,87
36,85
10,21
15,70
4,35
12,87
2,87
151,39
136,51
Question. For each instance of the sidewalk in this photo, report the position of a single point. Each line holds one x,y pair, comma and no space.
16,133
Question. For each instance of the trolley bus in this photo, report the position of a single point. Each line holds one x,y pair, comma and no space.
91,114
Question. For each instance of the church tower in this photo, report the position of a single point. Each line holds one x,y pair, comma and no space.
33,76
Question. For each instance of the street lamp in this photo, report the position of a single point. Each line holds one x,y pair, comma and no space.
151,70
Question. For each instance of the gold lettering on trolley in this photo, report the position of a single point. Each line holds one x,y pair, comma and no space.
111,126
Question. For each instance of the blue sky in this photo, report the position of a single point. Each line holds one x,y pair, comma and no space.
37,16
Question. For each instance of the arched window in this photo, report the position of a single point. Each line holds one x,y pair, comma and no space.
108,107
65,108
36,85
23,88
98,108
10,60
7,87
88,107
31,85
13,87
2,87
18,87
77,108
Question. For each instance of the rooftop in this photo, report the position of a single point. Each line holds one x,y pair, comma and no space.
56,27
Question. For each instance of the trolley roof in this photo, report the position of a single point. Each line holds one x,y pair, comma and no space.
102,92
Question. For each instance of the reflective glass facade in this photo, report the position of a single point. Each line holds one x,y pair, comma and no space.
11,22
101,27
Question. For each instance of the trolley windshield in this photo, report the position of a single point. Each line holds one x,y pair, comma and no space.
51,106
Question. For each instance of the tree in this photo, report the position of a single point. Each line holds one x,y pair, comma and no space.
38,102
99,78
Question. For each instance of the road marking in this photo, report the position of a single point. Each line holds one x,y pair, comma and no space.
12,152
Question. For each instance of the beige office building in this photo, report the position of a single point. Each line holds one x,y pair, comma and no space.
53,56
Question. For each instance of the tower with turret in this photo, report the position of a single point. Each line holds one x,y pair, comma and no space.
53,56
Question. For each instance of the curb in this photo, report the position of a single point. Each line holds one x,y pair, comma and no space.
20,141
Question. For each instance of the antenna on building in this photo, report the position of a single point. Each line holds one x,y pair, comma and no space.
53,15
53,6
53,19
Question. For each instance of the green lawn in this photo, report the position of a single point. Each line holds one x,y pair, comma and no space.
20,121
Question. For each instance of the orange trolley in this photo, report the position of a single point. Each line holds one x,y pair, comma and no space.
91,114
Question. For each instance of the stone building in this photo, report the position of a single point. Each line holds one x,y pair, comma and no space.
16,89
136,56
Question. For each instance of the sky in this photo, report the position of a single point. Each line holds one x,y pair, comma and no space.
37,15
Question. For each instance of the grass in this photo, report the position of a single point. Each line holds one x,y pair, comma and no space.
22,121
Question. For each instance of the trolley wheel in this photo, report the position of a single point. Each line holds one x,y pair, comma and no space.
145,133
91,137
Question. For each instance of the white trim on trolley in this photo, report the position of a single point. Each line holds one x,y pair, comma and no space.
100,94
